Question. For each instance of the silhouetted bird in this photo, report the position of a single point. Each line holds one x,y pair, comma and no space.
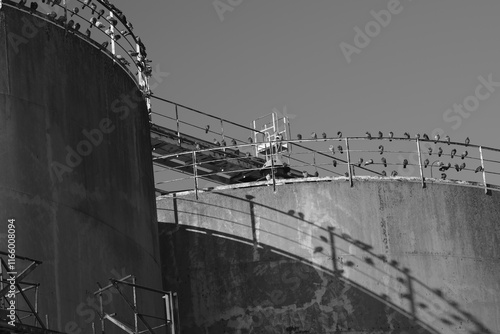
339,134
100,13
33,7
381,149
250,140
426,137
334,163
394,173
346,174
323,135
316,174
305,174
462,166
440,152
463,155
104,44
467,141
405,163
391,135
447,138
75,11
61,19
299,136
216,142
453,152
223,143
207,128
93,7
426,163
340,149
233,142
445,167
99,25
314,135
369,162
384,162
368,135
417,136
21,3
76,26
437,138
197,146
430,150
407,135
443,176
360,161
380,135
92,21
332,149
479,169
457,167
87,32
70,24
384,173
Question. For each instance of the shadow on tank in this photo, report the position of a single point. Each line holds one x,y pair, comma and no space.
239,277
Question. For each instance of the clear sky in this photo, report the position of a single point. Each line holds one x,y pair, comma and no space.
239,59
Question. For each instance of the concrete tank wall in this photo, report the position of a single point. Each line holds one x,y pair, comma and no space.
88,218
385,256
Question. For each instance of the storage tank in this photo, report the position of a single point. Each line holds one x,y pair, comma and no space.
319,256
75,165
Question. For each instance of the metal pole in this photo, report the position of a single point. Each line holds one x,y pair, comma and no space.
177,121
255,138
484,170
195,172
102,312
36,302
112,35
348,160
222,128
272,171
134,292
420,163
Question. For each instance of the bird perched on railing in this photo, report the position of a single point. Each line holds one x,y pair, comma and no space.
339,134
443,176
445,167
407,135
216,142
467,141
394,173
223,143
369,162
426,163
436,137
453,152
381,149
447,138
86,3
76,26
417,136
207,128
405,163
457,167
316,174
463,155
197,146
334,163
430,150
304,174
21,3
368,135
323,135
93,7
440,152
314,135
360,161
346,174
74,11
340,149
250,140
299,136
462,166
384,161
92,21
380,135
425,136
479,169
87,33
33,7
332,149
384,173
391,135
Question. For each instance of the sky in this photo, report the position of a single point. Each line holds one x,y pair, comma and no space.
240,59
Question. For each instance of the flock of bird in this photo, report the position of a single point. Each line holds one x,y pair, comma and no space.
361,162
97,20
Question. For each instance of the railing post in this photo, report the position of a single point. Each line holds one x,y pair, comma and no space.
222,129
177,121
134,292
195,173
272,171
348,160
420,163
484,170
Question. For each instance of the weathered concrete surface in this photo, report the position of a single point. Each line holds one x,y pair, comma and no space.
99,220
322,257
